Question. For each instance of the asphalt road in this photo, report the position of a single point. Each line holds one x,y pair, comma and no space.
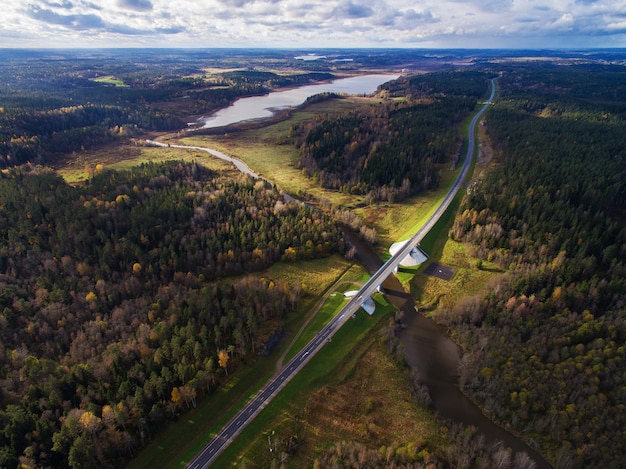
240,165
223,438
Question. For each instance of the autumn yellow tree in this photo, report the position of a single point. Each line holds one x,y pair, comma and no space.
176,397
222,360
90,422
108,415
91,296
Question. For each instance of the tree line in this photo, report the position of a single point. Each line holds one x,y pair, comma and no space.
545,345
115,314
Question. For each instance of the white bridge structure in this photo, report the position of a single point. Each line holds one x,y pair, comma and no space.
368,305
416,256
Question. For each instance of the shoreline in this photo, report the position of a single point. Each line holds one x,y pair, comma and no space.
279,112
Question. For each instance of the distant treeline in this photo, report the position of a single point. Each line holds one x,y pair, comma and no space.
52,108
393,150
545,346
114,315
273,80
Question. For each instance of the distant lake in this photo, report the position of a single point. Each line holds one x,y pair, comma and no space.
260,107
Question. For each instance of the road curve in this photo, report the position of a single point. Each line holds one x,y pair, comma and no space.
239,164
226,435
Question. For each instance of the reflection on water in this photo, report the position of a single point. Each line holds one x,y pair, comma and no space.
260,107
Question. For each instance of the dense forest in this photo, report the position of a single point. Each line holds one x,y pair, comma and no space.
545,344
76,104
394,150
115,313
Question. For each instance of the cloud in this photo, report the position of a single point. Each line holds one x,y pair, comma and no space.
130,31
171,30
306,23
65,4
615,28
243,3
136,5
352,10
404,20
77,22
237,3
127,30
565,21
526,19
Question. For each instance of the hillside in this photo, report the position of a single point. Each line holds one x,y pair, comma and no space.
545,343
115,314
393,150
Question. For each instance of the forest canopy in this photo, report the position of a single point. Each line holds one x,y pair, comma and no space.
545,345
393,150
115,309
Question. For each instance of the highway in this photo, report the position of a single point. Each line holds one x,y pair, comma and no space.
223,438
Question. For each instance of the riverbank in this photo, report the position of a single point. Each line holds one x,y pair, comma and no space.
435,357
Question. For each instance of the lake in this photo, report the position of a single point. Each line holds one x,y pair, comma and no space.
261,107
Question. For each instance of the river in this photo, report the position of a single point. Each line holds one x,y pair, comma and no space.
262,107
435,357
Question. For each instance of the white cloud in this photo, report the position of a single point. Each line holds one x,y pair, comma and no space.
564,22
314,23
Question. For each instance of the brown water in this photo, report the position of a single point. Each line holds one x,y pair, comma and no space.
435,357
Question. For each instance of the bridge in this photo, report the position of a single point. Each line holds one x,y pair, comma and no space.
416,256
255,405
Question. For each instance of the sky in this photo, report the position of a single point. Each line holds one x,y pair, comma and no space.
314,23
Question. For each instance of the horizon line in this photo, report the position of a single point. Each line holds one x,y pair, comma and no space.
321,48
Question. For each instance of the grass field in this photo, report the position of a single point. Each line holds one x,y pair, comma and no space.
316,275
121,156
269,152
398,221
109,80
350,391
431,292
321,278
331,305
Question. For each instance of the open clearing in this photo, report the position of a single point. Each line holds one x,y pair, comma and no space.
440,271
124,155
270,151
